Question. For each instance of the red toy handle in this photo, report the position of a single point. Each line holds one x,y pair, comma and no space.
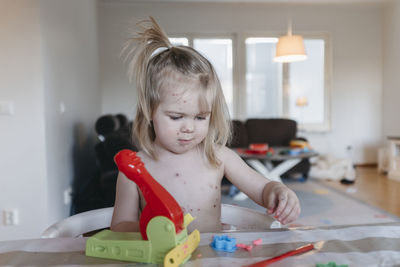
158,201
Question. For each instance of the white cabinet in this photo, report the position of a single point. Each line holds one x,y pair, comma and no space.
394,158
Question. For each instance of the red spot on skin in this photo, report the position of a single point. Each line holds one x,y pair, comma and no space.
198,209
191,209
176,174
216,187
184,182
184,101
215,206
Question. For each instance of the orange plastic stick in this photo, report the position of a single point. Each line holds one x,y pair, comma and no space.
285,255
159,201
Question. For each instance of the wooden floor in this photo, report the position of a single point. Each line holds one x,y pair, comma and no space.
373,188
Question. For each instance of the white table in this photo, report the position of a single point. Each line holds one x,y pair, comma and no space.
359,245
263,163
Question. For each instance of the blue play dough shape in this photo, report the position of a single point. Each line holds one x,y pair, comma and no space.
224,243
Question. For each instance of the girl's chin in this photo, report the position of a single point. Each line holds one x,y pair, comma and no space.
181,149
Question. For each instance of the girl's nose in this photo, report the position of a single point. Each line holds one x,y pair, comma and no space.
187,126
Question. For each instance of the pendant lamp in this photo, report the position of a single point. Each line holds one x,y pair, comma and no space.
290,48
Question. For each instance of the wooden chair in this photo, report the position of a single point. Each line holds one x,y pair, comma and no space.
235,217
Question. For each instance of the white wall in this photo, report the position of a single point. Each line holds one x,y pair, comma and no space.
70,68
391,84
356,32
49,56
22,135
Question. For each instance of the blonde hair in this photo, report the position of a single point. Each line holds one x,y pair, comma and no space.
152,68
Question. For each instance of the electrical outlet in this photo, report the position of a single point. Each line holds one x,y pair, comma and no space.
10,217
67,196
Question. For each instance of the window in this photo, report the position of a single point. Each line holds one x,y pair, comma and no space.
179,41
296,90
263,79
219,53
306,92
293,90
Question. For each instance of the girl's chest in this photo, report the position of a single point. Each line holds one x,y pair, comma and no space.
188,178
188,182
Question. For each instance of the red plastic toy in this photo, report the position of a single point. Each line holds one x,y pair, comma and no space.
261,147
159,201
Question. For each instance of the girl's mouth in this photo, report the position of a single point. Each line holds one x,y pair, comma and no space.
185,141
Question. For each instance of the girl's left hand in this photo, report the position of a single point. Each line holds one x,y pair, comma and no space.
281,202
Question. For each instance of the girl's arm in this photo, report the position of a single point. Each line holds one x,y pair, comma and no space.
126,208
276,197
242,176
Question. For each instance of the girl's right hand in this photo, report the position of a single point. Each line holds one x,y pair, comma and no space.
281,202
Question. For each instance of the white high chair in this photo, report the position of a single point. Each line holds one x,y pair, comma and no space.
237,218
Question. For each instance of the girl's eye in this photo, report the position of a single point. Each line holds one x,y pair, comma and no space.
200,117
174,118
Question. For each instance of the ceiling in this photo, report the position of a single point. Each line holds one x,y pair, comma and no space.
262,1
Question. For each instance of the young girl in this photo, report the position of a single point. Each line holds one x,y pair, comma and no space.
183,125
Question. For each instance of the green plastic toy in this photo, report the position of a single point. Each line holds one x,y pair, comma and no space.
331,264
163,244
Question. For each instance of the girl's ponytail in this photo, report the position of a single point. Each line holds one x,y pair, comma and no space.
139,49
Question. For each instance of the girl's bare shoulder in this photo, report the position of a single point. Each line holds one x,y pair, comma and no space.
226,154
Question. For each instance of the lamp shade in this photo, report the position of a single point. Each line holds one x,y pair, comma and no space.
290,48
